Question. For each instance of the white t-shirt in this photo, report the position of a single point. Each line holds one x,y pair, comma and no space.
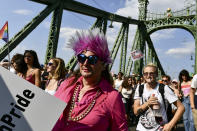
126,93
117,83
147,120
194,83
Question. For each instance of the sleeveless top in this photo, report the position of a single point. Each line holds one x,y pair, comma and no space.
52,92
117,83
126,93
31,79
186,89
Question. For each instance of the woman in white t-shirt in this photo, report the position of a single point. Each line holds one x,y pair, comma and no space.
57,72
118,81
126,89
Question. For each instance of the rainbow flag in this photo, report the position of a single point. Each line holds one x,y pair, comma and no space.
4,32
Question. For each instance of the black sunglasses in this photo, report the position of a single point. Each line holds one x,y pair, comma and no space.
50,64
92,60
165,80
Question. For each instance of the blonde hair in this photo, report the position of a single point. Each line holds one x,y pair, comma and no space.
60,70
151,65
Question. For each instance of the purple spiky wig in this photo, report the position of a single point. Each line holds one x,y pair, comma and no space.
91,40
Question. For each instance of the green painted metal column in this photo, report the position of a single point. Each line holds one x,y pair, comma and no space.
54,33
104,28
26,30
116,46
124,48
134,46
149,55
138,66
122,53
142,45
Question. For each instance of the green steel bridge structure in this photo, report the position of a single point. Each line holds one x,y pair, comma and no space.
147,24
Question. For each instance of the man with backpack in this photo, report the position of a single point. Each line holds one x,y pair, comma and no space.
151,103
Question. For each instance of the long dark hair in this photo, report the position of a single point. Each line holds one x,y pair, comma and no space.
184,73
20,63
106,75
125,83
36,63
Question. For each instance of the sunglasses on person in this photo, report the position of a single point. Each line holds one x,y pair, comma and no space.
165,80
149,73
50,64
92,60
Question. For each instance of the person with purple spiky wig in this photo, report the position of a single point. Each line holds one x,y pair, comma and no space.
92,103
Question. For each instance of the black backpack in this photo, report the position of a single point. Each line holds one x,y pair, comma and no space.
161,91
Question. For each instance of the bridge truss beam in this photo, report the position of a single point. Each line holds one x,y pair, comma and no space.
88,10
145,28
26,30
54,34
122,39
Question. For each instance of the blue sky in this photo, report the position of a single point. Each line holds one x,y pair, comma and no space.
173,46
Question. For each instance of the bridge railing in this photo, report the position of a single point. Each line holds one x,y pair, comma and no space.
190,10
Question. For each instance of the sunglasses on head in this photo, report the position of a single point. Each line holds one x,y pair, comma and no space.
92,60
50,64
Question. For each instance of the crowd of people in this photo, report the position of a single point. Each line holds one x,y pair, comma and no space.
27,66
180,95
102,101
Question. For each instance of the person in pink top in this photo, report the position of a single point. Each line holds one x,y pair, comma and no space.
92,103
32,73
185,86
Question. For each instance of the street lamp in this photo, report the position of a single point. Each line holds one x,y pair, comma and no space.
111,26
111,18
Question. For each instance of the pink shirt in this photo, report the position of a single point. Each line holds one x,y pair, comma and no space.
31,79
186,89
108,114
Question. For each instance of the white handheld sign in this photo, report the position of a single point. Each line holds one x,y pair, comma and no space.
136,55
25,107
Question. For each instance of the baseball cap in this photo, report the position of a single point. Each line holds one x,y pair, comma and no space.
175,80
